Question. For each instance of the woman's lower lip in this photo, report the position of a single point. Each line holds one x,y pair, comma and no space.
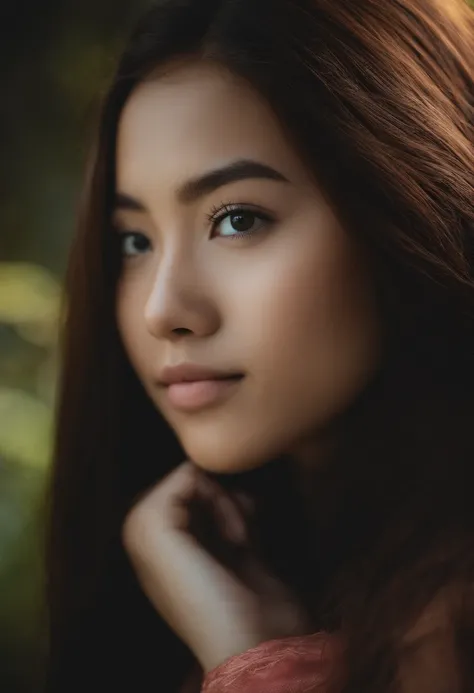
188,396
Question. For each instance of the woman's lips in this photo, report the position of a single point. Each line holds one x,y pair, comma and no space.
197,394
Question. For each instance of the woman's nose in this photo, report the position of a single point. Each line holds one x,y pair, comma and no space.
178,303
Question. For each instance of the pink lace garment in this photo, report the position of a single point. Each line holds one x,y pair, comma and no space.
303,664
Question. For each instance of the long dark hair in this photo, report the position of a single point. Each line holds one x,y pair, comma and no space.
378,98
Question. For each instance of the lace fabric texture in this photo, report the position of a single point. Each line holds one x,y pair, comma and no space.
302,664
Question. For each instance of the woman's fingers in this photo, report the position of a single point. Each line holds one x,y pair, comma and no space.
245,503
164,506
228,515
184,498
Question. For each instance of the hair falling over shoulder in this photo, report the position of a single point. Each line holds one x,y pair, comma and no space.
378,97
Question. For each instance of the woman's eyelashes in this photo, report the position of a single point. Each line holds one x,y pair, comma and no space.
230,221
237,220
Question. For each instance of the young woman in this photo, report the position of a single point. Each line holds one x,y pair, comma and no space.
263,468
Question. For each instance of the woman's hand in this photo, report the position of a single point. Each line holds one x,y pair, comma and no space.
219,608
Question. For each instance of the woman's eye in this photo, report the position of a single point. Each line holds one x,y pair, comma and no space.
234,222
240,222
133,243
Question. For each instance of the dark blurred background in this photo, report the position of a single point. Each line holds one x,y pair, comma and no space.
57,58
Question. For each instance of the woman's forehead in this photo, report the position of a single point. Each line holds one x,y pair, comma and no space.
185,124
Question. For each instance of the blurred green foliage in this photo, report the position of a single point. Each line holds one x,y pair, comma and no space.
59,61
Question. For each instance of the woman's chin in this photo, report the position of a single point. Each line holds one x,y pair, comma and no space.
226,464
230,454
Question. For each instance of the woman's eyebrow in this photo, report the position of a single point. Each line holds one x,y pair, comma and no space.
195,188
235,171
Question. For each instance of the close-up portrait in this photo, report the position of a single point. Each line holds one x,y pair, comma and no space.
237,347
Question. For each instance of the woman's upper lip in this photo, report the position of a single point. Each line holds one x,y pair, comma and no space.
188,372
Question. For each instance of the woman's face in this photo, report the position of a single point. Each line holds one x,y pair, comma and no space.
247,271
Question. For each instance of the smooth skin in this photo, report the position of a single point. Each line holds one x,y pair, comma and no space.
271,286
